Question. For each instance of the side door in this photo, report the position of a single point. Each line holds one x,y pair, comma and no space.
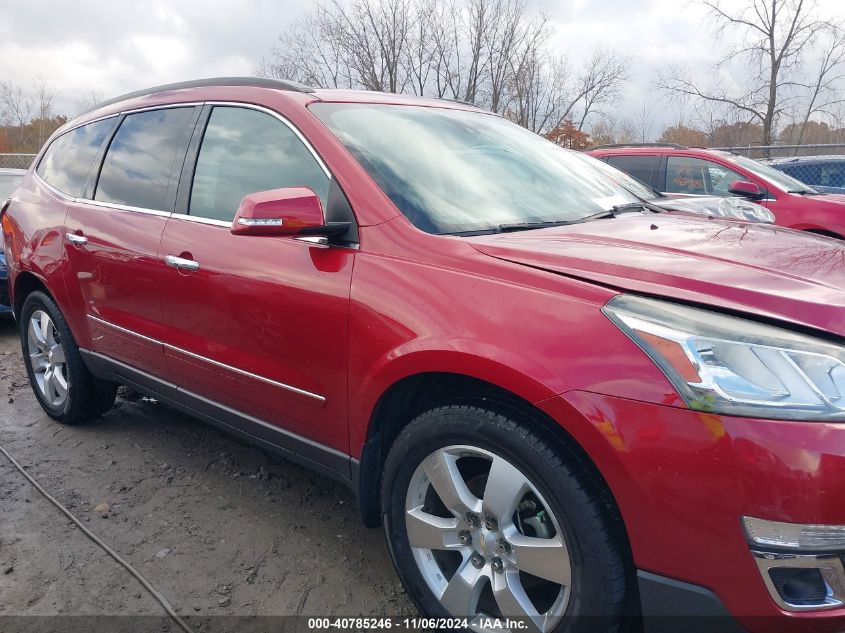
114,230
258,331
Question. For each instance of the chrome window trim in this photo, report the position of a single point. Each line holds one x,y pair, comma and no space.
198,219
98,203
236,370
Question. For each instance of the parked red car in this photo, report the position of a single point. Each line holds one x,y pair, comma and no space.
561,405
695,171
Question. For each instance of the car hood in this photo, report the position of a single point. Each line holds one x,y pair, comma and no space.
754,268
730,208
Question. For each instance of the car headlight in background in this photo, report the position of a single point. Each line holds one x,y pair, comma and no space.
729,365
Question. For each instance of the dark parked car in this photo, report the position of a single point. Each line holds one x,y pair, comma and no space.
560,405
694,171
823,173
9,180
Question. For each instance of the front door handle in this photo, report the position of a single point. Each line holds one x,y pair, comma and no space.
181,263
76,240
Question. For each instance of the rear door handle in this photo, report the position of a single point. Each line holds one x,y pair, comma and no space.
76,240
181,263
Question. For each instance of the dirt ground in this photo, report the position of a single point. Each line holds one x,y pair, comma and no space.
219,527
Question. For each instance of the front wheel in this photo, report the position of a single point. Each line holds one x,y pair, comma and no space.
488,517
64,387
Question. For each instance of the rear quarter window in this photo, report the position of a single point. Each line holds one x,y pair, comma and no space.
643,168
67,162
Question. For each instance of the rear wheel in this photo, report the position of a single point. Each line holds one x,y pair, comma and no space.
62,384
488,517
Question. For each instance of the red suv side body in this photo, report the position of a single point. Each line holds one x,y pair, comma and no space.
823,213
330,345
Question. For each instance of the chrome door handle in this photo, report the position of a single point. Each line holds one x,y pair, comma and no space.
181,263
76,240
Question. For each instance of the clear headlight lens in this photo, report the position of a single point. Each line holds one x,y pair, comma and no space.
730,365
809,537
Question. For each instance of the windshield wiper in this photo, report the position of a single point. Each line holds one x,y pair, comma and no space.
642,204
528,226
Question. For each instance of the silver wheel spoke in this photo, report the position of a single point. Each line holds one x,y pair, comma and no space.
545,558
59,384
431,532
505,487
49,387
35,331
58,355
46,329
37,360
512,599
441,468
460,598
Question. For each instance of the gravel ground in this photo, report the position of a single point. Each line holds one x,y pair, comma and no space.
219,527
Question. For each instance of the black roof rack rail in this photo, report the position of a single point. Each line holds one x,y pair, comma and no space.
259,82
611,145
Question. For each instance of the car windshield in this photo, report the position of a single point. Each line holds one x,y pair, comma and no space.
453,171
8,183
771,175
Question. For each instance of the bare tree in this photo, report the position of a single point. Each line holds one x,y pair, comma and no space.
601,81
16,107
644,123
45,95
88,101
493,53
773,35
823,93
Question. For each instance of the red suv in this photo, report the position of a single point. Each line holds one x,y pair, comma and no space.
561,404
692,171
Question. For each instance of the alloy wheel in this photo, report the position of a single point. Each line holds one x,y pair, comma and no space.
47,358
485,541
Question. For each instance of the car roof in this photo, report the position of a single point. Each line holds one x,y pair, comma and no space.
657,148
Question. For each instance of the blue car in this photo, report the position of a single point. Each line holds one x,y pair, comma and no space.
9,179
825,174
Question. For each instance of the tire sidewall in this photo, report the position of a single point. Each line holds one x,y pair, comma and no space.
495,436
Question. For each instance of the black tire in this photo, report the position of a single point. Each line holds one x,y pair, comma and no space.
88,397
600,582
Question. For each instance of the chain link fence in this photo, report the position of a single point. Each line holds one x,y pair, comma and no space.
16,161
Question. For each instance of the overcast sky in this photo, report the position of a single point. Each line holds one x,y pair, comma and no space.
119,46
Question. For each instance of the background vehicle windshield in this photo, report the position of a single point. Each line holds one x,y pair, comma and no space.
772,175
452,171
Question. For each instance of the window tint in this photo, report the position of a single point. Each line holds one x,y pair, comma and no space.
245,151
66,162
643,168
697,176
138,164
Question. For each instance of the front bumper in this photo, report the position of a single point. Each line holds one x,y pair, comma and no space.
684,479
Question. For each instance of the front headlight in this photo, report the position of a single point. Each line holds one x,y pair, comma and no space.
730,365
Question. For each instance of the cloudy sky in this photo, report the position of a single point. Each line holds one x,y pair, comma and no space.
112,47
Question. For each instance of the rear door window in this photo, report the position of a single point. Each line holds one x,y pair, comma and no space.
66,163
139,163
245,151
643,168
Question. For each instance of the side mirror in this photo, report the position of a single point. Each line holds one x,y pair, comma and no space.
287,211
746,190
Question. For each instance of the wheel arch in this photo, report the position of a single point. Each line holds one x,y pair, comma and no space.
406,398
26,282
